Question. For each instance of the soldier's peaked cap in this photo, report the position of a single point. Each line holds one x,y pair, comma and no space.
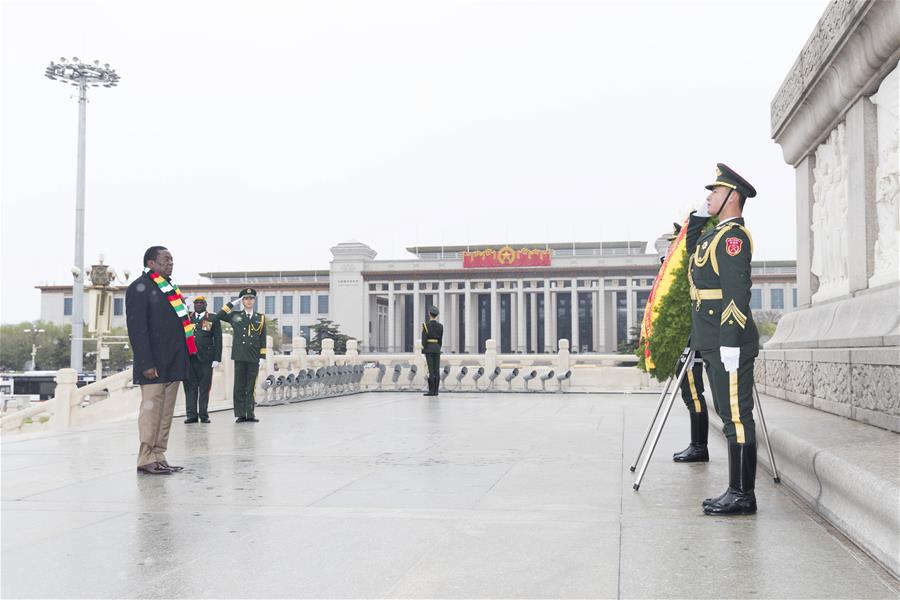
199,299
433,311
247,292
726,176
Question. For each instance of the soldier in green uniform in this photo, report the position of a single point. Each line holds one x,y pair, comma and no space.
432,339
248,351
723,328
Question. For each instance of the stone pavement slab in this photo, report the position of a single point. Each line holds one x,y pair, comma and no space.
396,495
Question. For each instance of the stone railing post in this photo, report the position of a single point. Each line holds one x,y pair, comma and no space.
352,352
298,351
66,384
328,352
227,368
562,359
418,358
270,355
490,356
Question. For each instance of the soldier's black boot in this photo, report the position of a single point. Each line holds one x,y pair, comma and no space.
435,390
430,391
739,498
697,450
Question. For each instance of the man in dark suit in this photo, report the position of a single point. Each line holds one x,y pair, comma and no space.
208,334
432,340
162,340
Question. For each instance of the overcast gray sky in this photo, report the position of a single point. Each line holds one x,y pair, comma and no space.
256,135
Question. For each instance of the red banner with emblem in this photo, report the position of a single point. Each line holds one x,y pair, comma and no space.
506,257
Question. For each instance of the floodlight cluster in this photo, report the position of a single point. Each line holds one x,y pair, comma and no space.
75,72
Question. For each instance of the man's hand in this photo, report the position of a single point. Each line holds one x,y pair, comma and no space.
151,373
702,210
215,364
731,356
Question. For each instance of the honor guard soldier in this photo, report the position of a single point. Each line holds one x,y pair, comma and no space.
432,339
692,394
248,351
723,328
208,335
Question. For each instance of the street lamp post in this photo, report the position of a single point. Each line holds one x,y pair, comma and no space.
81,75
34,331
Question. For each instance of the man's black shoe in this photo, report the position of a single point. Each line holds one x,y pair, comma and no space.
733,502
190,420
154,469
206,420
693,453
252,420
240,419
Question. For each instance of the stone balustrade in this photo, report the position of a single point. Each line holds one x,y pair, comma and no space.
321,375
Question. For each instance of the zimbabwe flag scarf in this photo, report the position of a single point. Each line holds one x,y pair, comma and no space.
173,295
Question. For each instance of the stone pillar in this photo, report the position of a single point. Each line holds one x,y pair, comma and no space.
533,297
417,309
367,319
471,315
352,352
298,351
804,187
549,343
490,356
328,352
66,384
596,315
391,334
520,318
442,301
862,157
562,359
495,312
574,316
629,309
228,364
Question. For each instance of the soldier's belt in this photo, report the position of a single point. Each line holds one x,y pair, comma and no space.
436,341
710,294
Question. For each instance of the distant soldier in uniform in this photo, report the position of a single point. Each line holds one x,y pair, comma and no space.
208,334
723,328
248,351
432,339
692,393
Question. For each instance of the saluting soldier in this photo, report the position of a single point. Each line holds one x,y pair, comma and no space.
248,351
208,335
692,393
723,328
432,339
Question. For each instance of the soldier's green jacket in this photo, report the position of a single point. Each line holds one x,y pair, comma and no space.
719,273
249,333
432,337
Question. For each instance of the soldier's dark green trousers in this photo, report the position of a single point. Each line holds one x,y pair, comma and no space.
733,396
245,388
692,388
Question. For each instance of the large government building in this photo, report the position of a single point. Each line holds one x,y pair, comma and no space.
525,296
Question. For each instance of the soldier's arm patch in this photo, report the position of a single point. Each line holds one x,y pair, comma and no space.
733,246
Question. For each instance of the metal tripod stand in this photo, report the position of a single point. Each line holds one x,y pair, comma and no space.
688,363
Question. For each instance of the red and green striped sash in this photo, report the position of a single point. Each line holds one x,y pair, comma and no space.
173,295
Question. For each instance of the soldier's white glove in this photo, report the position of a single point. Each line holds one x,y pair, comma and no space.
235,302
701,209
262,363
731,356
215,364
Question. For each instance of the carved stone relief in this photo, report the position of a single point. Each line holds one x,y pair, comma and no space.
829,216
832,381
877,387
798,377
887,181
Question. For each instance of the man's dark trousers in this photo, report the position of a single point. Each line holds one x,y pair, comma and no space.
245,373
433,360
196,389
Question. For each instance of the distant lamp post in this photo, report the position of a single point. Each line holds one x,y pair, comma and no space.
81,75
34,331
101,308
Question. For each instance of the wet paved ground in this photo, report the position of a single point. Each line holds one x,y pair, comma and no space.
396,495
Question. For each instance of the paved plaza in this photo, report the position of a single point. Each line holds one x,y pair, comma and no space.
396,495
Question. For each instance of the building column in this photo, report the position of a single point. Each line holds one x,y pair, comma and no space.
495,313
442,299
574,342
862,159
549,312
520,318
417,307
391,337
367,301
471,315
534,322
629,309
597,313
449,319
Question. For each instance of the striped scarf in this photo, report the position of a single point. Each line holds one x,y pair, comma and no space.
173,295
